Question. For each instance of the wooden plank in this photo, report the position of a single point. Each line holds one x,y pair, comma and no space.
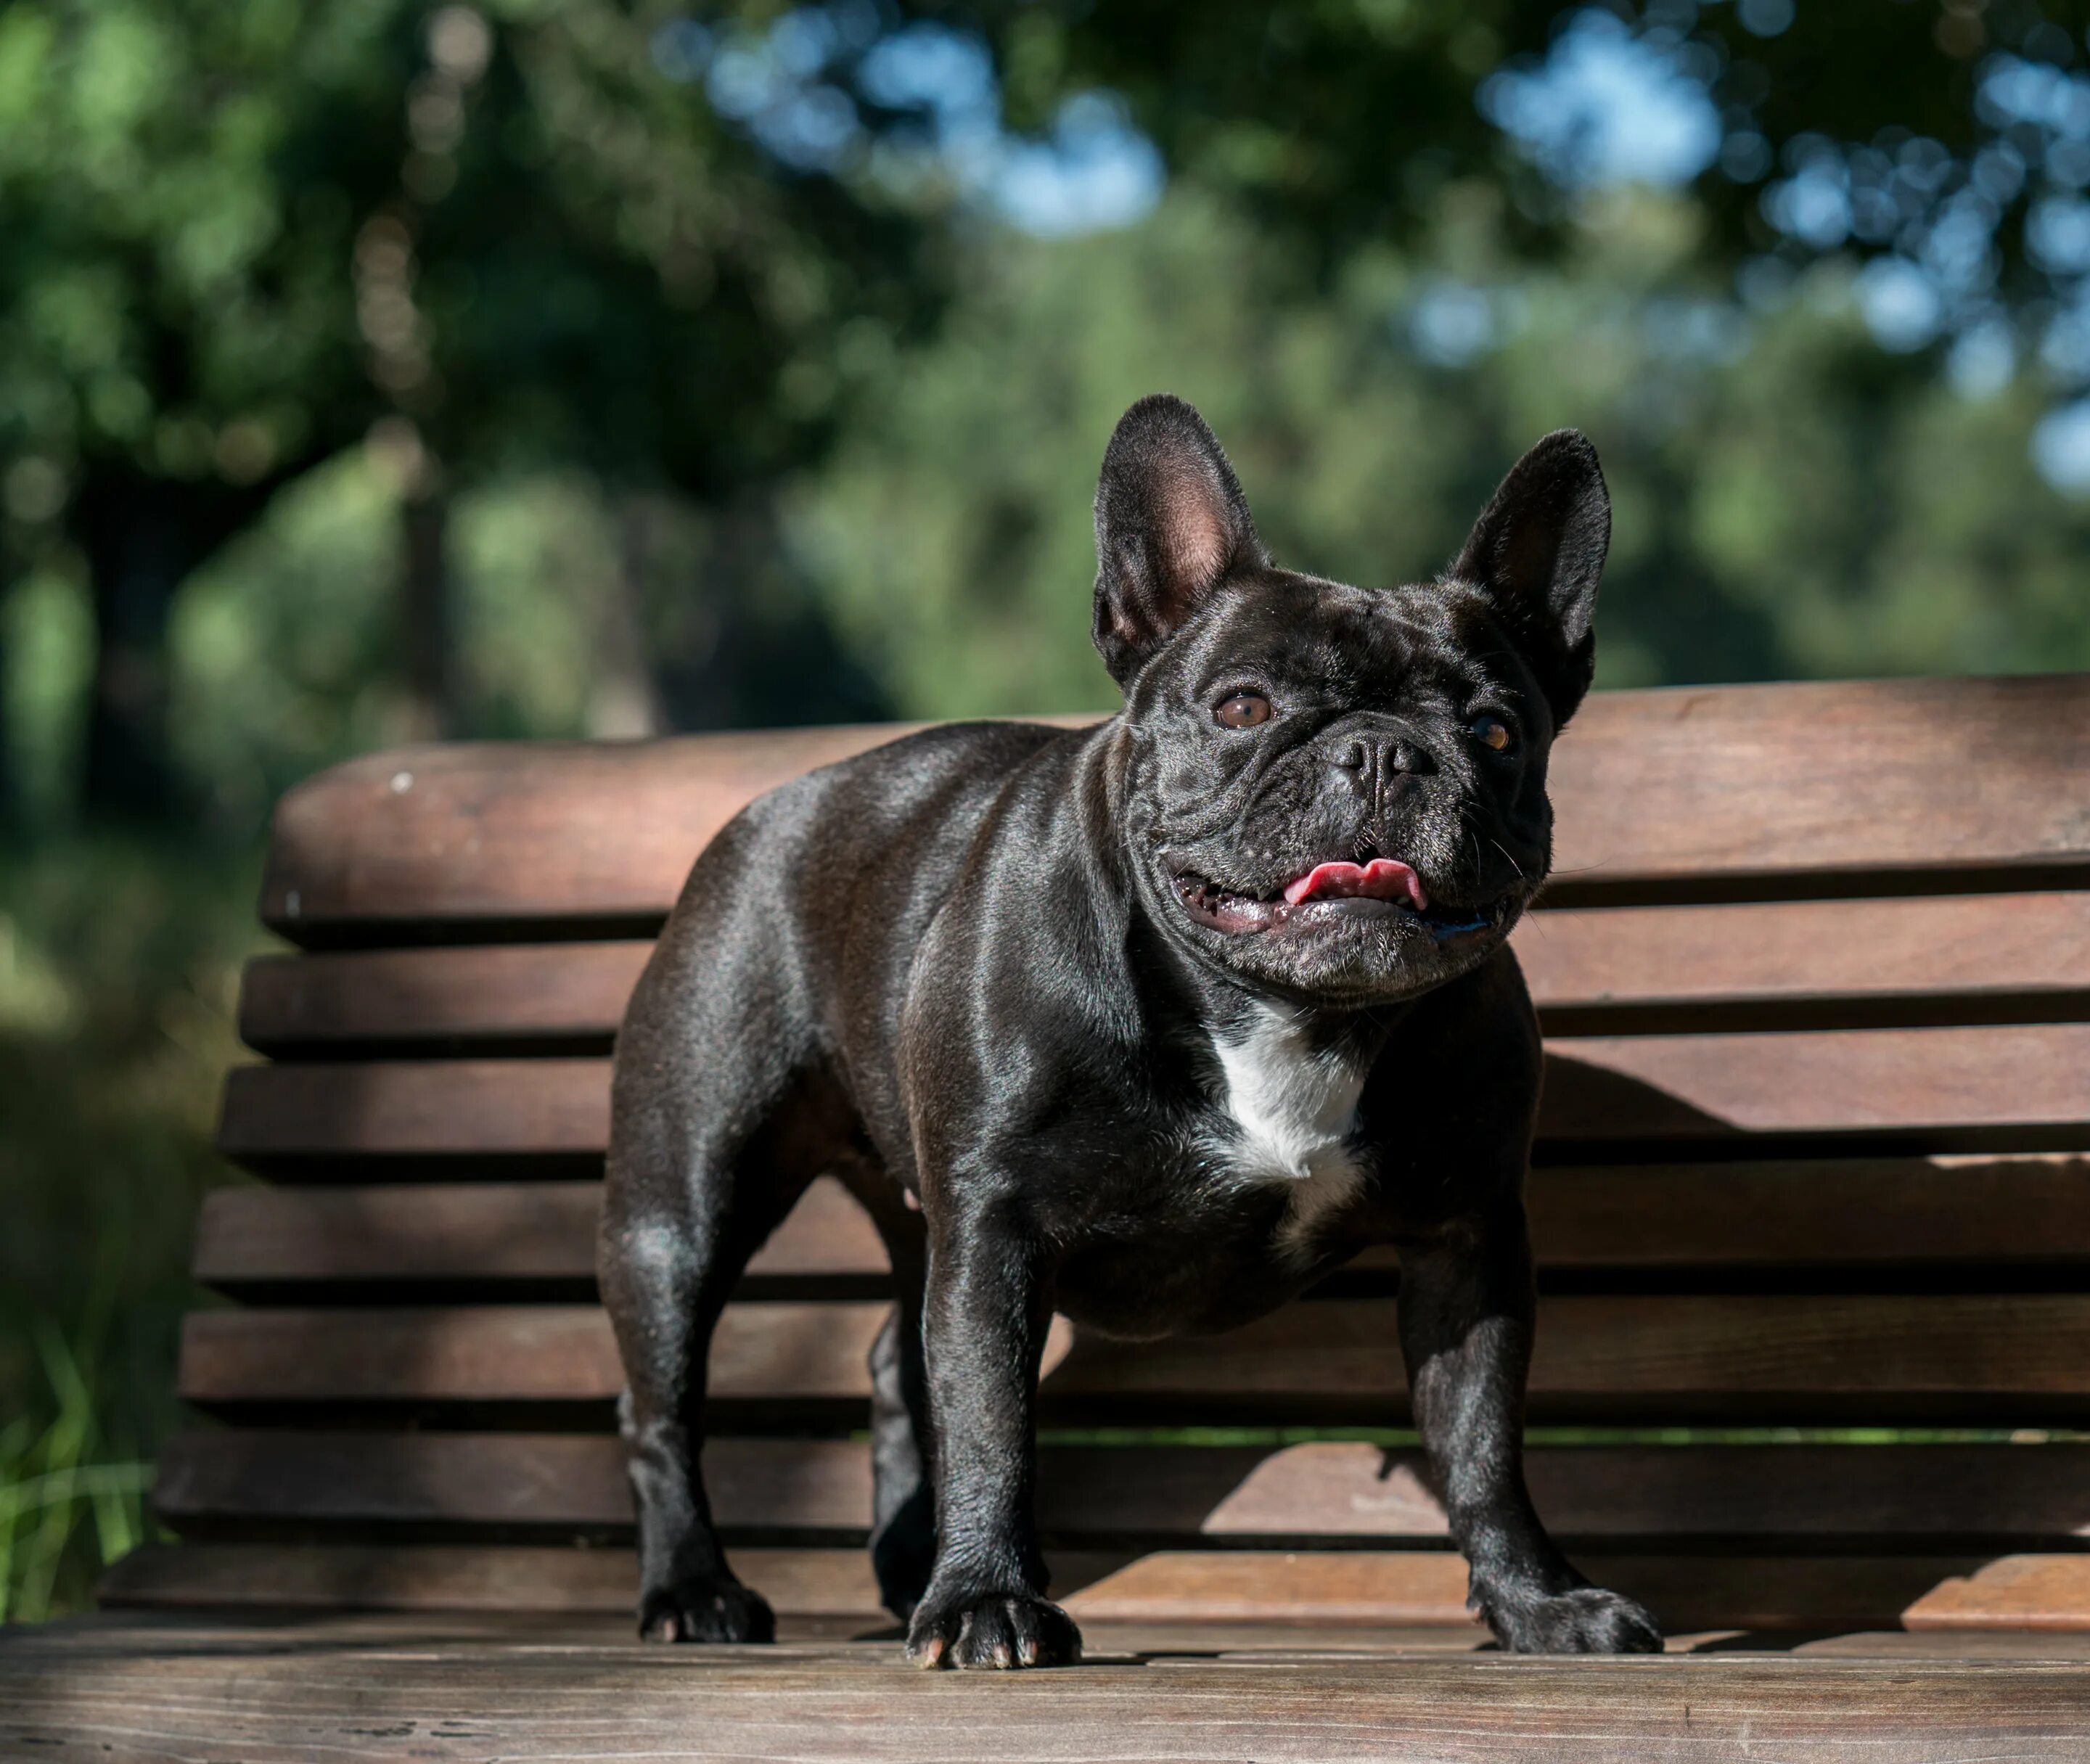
2023,1211
1734,788
1810,964
487,997
556,1110
1955,1213
460,1578
605,832
2026,1086
332,1699
1959,1496
401,1687
1847,1358
1993,1087
1749,786
1982,957
482,1234
1756,1592
1374,1587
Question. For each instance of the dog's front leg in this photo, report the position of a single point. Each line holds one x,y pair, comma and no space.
1466,1309
985,1311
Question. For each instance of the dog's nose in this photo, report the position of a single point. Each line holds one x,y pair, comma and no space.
1385,757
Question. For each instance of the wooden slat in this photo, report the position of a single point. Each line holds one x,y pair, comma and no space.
1745,784
1994,1087
2026,1211
1860,963
445,1686
2021,1085
481,996
605,832
546,1109
1959,1496
1978,958
1969,1212
1734,788
1687,1593
1846,1358
481,1233
1324,1587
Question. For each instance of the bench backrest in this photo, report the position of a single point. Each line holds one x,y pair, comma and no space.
1815,973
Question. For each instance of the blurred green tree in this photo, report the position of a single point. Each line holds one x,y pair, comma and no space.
1791,499
244,237
671,244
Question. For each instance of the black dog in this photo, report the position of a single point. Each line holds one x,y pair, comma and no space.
1154,1023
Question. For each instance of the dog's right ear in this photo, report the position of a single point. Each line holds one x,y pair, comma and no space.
1172,525
1539,547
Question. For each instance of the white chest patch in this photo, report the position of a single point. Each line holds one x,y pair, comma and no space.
1294,1110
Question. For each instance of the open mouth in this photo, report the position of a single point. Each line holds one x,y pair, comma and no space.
1330,893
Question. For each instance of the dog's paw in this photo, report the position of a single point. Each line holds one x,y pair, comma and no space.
1586,1620
1000,1629
706,1610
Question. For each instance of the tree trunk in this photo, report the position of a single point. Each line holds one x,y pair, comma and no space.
748,645
623,704
13,807
427,618
138,550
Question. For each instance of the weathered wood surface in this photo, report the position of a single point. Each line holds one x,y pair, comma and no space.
1738,1219
116,1692
1843,1358
1731,790
481,996
1999,1496
1789,964
1396,1588
481,1233
2016,1086
1810,964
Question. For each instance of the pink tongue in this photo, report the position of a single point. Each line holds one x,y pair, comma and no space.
1383,880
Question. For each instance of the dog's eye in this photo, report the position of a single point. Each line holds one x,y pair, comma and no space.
1492,732
1244,710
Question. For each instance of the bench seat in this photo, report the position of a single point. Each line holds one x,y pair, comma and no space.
1810,1206
445,1687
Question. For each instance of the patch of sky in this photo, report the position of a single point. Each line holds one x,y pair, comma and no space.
2064,344
1452,323
2060,448
1983,358
1609,106
2058,234
1094,170
1694,330
1902,305
803,87
1764,17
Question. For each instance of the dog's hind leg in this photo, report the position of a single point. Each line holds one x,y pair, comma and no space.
719,1120
903,1521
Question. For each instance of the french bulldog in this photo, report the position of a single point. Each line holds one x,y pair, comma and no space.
1153,1024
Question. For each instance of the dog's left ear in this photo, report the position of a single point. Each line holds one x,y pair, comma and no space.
1539,548
1172,525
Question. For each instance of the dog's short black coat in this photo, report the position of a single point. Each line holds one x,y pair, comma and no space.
1153,1025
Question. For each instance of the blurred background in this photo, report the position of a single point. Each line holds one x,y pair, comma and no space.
377,372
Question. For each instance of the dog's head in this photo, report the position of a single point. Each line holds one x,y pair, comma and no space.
1336,792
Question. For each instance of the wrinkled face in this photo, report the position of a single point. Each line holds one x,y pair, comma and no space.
1340,791
1339,794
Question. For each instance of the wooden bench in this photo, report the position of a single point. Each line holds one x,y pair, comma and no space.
1814,972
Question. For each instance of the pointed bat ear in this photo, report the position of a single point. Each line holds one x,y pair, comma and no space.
1539,548
1172,525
